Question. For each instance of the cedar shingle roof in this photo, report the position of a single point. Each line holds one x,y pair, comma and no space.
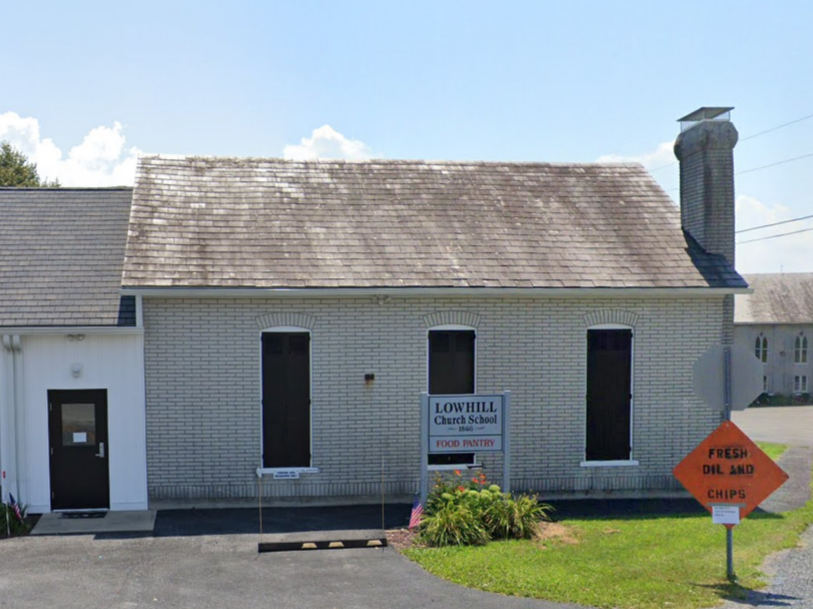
61,257
778,298
271,223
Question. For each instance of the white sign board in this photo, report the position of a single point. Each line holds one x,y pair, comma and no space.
466,423
725,514
468,444
286,475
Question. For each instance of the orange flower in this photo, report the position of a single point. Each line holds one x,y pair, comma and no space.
475,480
461,488
457,472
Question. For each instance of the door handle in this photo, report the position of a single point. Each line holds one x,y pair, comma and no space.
100,454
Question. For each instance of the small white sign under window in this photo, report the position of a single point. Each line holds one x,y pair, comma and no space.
80,437
725,514
288,474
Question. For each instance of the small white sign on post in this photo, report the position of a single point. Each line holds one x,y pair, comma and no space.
725,514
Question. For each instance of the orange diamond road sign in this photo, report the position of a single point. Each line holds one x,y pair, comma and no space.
727,468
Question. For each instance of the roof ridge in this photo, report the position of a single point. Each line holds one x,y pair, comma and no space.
182,157
64,188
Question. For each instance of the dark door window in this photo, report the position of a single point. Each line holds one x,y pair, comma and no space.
451,371
609,395
286,399
79,449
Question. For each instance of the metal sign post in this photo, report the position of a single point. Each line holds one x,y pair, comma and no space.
424,447
465,423
714,376
729,528
730,476
506,442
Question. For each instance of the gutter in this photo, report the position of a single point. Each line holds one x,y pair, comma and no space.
72,330
490,292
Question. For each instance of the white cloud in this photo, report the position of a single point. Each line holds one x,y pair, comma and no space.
791,254
327,143
661,159
100,160
662,155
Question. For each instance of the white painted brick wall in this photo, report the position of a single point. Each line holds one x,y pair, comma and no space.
203,390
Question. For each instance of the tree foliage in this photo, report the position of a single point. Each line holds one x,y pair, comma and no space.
17,171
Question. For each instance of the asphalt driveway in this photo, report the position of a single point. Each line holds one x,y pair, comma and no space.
209,559
216,571
783,424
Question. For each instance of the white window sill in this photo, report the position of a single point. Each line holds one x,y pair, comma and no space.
451,467
270,471
628,463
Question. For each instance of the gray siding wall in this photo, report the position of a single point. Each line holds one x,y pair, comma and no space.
203,389
780,369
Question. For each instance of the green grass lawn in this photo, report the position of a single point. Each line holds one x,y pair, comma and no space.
774,451
636,562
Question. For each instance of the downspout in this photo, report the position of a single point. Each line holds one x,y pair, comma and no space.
8,423
19,416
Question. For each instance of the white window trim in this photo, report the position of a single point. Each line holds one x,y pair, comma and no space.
803,385
621,462
452,328
278,330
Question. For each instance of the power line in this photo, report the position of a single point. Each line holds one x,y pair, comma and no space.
663,167
750,137
793,122
739,173
795,232
745,230
796,158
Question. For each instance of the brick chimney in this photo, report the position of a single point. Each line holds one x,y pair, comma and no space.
705,149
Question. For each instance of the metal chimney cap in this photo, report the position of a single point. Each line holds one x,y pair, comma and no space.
706,113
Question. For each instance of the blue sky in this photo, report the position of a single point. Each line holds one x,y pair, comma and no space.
93,84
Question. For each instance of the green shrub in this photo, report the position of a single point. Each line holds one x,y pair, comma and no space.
453,524
474,512
13,523
515,518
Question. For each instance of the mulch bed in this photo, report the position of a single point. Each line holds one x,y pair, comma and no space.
402,539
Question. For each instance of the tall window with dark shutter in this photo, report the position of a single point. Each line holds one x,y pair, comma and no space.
609,395
286,399
451,371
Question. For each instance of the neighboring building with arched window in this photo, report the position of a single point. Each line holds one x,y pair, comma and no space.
761,348
776,323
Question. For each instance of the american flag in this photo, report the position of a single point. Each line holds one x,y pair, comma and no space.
12,503
415,516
